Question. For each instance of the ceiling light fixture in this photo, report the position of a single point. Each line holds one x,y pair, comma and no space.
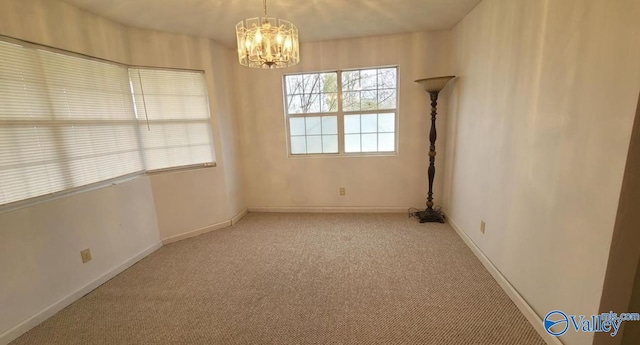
267,42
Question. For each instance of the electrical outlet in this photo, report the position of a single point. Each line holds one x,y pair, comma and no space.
482,226
342,191
85,255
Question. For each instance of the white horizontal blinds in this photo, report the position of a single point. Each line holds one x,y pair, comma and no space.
28,163
173,112
65,122
92,107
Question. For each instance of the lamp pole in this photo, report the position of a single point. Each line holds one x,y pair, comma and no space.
433,86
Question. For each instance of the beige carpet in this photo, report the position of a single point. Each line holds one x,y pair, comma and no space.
300,279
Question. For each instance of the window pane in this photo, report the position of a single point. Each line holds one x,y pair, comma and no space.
297,126
310,103
386,122
387,99
386,142
330,143
294,84
329,125
352,123
369,100
350,81
352,143
329,102
313,125
298,145
314,144
329,82
387,78
311,83
369,79
369,142
294,104
351,101
369,123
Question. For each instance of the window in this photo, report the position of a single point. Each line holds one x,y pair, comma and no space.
68,121
342,112
173,110
313,93
65,122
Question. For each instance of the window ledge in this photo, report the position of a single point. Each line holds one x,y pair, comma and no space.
183,168
345,155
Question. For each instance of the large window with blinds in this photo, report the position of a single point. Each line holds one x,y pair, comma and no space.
68,121
174,118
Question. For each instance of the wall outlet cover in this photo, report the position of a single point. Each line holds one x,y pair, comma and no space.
85,255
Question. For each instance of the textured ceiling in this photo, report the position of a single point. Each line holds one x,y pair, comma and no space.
316,19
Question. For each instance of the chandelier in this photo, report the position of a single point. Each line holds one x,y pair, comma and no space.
267,42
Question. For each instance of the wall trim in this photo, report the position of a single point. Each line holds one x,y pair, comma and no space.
331,209
239,216
513,294
196,232
31,322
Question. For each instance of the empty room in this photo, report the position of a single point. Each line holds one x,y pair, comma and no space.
462,172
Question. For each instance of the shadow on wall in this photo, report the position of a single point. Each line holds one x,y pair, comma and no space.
621,291
448,166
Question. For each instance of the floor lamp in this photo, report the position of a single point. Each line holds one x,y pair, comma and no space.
433,86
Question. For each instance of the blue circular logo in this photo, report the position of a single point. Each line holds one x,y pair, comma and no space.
559,319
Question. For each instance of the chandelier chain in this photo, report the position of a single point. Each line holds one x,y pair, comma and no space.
264,3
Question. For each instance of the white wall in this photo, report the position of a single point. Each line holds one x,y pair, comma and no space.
191,200
39,245
537,138
40,248
272,180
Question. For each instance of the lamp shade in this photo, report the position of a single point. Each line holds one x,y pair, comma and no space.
434,84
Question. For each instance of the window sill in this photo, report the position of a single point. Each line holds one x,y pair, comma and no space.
345,155
182,168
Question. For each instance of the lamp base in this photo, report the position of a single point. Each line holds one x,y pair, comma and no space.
430,216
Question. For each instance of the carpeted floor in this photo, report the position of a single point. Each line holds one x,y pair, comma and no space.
300,279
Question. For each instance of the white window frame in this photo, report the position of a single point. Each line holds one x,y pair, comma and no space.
340,113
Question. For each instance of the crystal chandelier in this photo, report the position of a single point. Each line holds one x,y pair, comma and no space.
267,42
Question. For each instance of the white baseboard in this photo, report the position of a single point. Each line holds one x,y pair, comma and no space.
36,319
239,216
196,232
331,209
513,294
